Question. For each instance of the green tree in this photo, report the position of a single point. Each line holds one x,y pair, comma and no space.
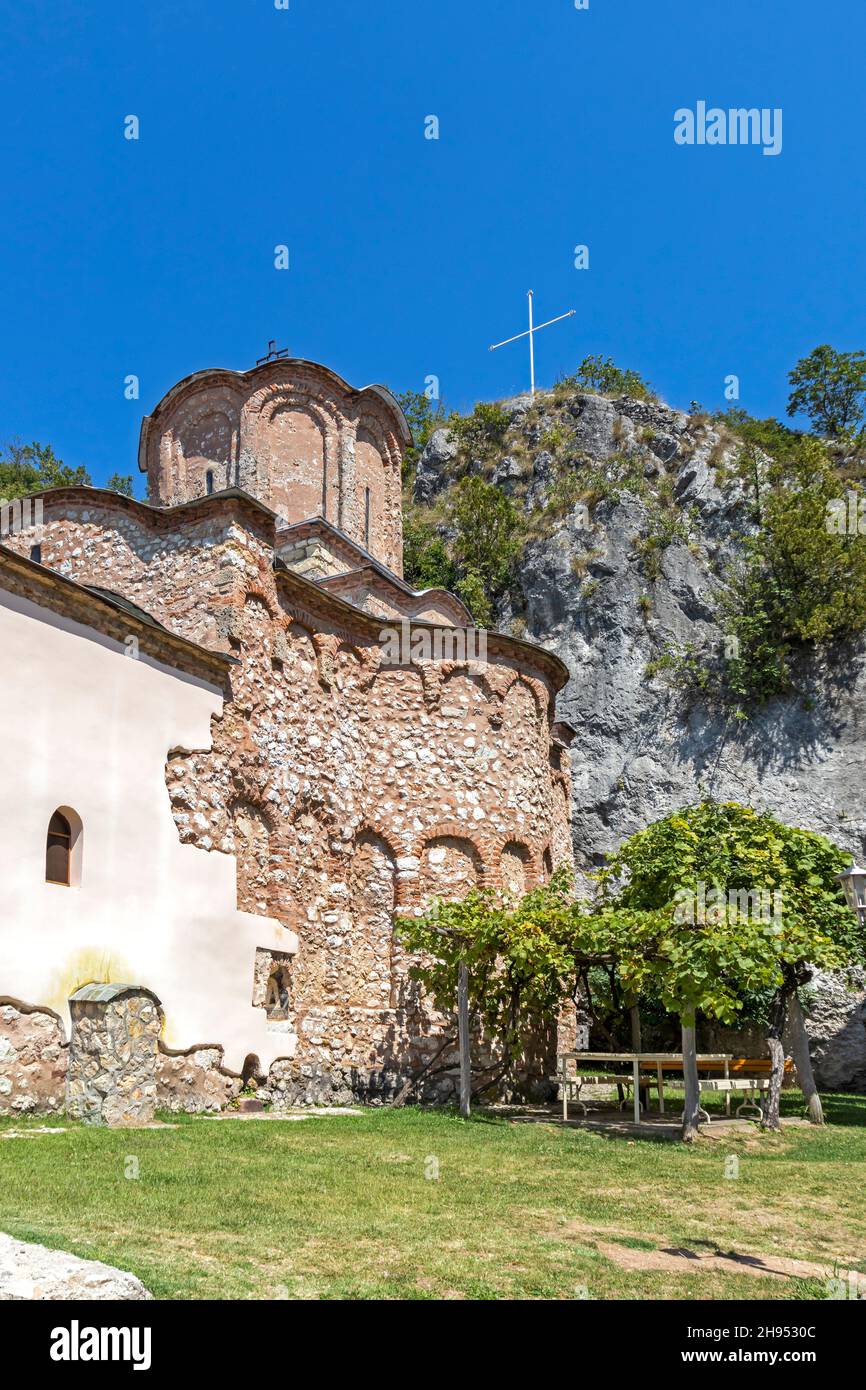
797,581
829,387
423,416
426,562
29,468
523,961
482,432
487,535
122,483
674,898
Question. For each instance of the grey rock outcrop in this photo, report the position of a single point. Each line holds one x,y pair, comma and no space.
431,474
34,1272
836,1019
644,747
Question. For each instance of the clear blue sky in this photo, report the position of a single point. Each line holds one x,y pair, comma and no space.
409,256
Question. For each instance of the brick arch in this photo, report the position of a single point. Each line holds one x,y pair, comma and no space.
386,523
546,861
450,866
382,435
320,495
293,627
282,395
255,591
247,793
522,849
372,880
405,872
459,830
527,684
490,688
371,828
187,415
289,852
253,862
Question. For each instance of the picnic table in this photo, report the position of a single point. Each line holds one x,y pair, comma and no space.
636,1060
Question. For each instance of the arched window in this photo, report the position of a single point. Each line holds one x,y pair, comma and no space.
209,481
58,851
63,848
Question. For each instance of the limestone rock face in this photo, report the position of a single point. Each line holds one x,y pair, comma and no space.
430,476
644,747
836,1019
34,1272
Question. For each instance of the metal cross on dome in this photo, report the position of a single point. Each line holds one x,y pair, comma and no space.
273,353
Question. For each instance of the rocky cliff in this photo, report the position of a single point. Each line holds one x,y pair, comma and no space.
632,514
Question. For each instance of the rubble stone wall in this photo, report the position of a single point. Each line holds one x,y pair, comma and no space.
346,789
111,1075
33,1058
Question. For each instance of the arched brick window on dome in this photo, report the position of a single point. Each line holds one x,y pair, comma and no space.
63,846
206,444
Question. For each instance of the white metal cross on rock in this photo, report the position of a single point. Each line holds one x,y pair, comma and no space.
530,334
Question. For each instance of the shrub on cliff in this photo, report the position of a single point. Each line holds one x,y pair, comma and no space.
601,374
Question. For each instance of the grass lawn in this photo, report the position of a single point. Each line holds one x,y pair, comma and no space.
341,1207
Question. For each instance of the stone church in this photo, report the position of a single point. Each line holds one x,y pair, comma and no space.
220,784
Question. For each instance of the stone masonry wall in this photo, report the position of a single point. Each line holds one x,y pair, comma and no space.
111,1074
347,790
33,1057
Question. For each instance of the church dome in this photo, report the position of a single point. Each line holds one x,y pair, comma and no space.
295,436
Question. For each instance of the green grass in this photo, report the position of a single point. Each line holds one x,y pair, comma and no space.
341,1207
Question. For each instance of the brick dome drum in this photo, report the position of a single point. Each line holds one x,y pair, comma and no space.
295,436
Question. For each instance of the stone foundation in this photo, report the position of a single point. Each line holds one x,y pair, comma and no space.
33,1058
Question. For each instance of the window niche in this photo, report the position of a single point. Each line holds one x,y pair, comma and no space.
272,986
278,999
63,848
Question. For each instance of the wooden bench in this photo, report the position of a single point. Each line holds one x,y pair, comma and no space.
571,1087
752,1085
754,1066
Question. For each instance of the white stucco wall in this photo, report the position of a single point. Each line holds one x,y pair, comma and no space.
86,726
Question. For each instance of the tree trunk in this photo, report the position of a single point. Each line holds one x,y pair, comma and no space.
463,1034
692,1102
775,1030
803,1060
634,1020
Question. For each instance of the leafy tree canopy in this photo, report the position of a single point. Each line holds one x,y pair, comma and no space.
30,468
686,917
829,387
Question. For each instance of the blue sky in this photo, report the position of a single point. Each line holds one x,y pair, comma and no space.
408,257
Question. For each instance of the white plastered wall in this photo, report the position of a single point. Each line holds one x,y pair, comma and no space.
88,727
